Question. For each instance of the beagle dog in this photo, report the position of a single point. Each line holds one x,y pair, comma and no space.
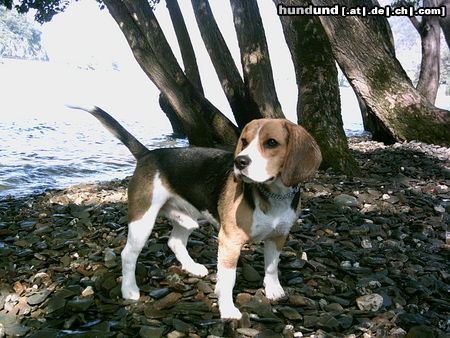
252,193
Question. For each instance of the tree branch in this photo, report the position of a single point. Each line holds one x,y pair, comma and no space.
256,66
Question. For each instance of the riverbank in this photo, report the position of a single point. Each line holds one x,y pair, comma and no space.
367,258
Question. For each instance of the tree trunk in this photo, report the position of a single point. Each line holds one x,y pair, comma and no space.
256,66
380,80
318,105
175,122
430,33
202,122
445,22
243,107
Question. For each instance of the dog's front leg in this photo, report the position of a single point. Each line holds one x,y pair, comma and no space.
272,250
228,256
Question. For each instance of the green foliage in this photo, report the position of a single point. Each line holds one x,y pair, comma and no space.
19,37
46,9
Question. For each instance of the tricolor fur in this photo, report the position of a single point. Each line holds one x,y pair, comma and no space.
249,193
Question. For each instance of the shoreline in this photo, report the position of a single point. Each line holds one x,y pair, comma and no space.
369,255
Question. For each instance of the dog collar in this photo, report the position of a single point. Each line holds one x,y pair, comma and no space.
279,197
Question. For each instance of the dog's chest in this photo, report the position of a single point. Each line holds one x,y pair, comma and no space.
276,221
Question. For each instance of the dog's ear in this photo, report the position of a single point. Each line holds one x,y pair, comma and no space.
303,156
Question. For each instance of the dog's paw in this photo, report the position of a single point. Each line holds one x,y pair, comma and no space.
196,269
230,312
274,291
130,292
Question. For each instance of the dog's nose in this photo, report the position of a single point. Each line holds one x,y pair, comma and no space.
242,161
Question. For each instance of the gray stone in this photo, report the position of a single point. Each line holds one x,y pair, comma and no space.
290,313
372,302
38,297
79,304
344,200
151,331
250,274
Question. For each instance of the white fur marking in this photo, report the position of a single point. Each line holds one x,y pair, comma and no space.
226,278
138,233
271,282
257,169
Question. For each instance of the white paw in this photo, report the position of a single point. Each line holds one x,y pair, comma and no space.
130,292
196,269
230,312
274,291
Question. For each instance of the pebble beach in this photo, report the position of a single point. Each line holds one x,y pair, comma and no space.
369,257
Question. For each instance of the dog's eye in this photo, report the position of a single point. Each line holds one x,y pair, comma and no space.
244,142
271,143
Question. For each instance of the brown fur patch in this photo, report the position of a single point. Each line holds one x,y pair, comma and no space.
140,189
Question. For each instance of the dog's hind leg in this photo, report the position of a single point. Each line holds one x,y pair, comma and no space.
183,225
139,229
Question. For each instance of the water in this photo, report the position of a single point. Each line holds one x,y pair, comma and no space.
44,145
38,155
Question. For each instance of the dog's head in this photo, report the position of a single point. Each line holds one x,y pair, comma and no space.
272,148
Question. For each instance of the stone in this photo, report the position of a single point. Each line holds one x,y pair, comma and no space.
159,293
38,297
421,331
167,301
250,274
328,323
290,313
344,200
297,300
151,331
79,304
372,302
248,332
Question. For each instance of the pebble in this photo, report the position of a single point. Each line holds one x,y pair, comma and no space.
372,302
344,200
380,235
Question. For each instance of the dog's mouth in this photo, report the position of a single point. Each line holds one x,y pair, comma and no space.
244,178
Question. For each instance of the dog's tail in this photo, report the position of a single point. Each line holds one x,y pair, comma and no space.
137,148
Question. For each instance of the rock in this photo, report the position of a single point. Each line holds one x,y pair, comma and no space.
310,321
333,307
38,297
167,301
181,326
344,200
151,331
408,320
290,313
159,293
421,332
372,302
328,323
250,274
297,300
79,304
248,332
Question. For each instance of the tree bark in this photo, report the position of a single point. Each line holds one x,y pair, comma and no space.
430,33
243,107
189,62
202,122
380,80
184,41
318,105
256,66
